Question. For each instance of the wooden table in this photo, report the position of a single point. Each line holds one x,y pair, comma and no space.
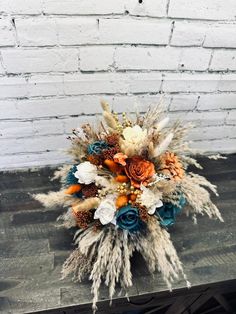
32,250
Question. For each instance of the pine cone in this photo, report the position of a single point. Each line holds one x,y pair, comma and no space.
171,166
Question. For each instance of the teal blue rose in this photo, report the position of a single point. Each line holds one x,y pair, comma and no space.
168,212
97,147
127,218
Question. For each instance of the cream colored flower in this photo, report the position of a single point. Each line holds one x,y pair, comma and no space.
86,172
150,200
134,139
135,134
106,211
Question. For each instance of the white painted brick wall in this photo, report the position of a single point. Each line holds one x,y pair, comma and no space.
59,58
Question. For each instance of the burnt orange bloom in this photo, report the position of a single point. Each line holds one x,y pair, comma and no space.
171,166
139,170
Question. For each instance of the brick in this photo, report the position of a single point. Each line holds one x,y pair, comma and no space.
36,32
22,7
83,7
44,108
48,127
13,87
195,59
89,60
231,119
145,83
219,146
98,83
40,60
222,36
127,31
15,129
33,144
203,9
190,83
139,58
153,8
77,31
213,132
183,102
201,118
10,113
111,83
217,101
223,60
227,83
188,34
45,85
7,37
27,160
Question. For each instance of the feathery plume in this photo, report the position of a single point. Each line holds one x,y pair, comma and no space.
162,147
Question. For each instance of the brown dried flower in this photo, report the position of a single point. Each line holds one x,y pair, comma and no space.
171,166
95,159
112,139
110,152
83,218
143,213
89,190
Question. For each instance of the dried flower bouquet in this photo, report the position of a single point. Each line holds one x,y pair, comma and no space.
127,184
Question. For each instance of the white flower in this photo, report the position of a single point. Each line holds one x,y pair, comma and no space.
106,211
86,172
150,200
134,135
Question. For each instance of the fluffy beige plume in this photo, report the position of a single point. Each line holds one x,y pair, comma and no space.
105,106
159,253
217,157
61,173
162,147
179,143
53,199
153,114
160,125
187,161
108,116
193,188
67,219
87,204
77,264
103,256
110,120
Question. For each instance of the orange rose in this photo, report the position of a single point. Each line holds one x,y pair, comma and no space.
139,170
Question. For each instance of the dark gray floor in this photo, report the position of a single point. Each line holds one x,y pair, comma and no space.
32,248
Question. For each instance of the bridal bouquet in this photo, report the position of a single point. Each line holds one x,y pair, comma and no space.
125,188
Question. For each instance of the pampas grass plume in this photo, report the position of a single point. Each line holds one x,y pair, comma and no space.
162,147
